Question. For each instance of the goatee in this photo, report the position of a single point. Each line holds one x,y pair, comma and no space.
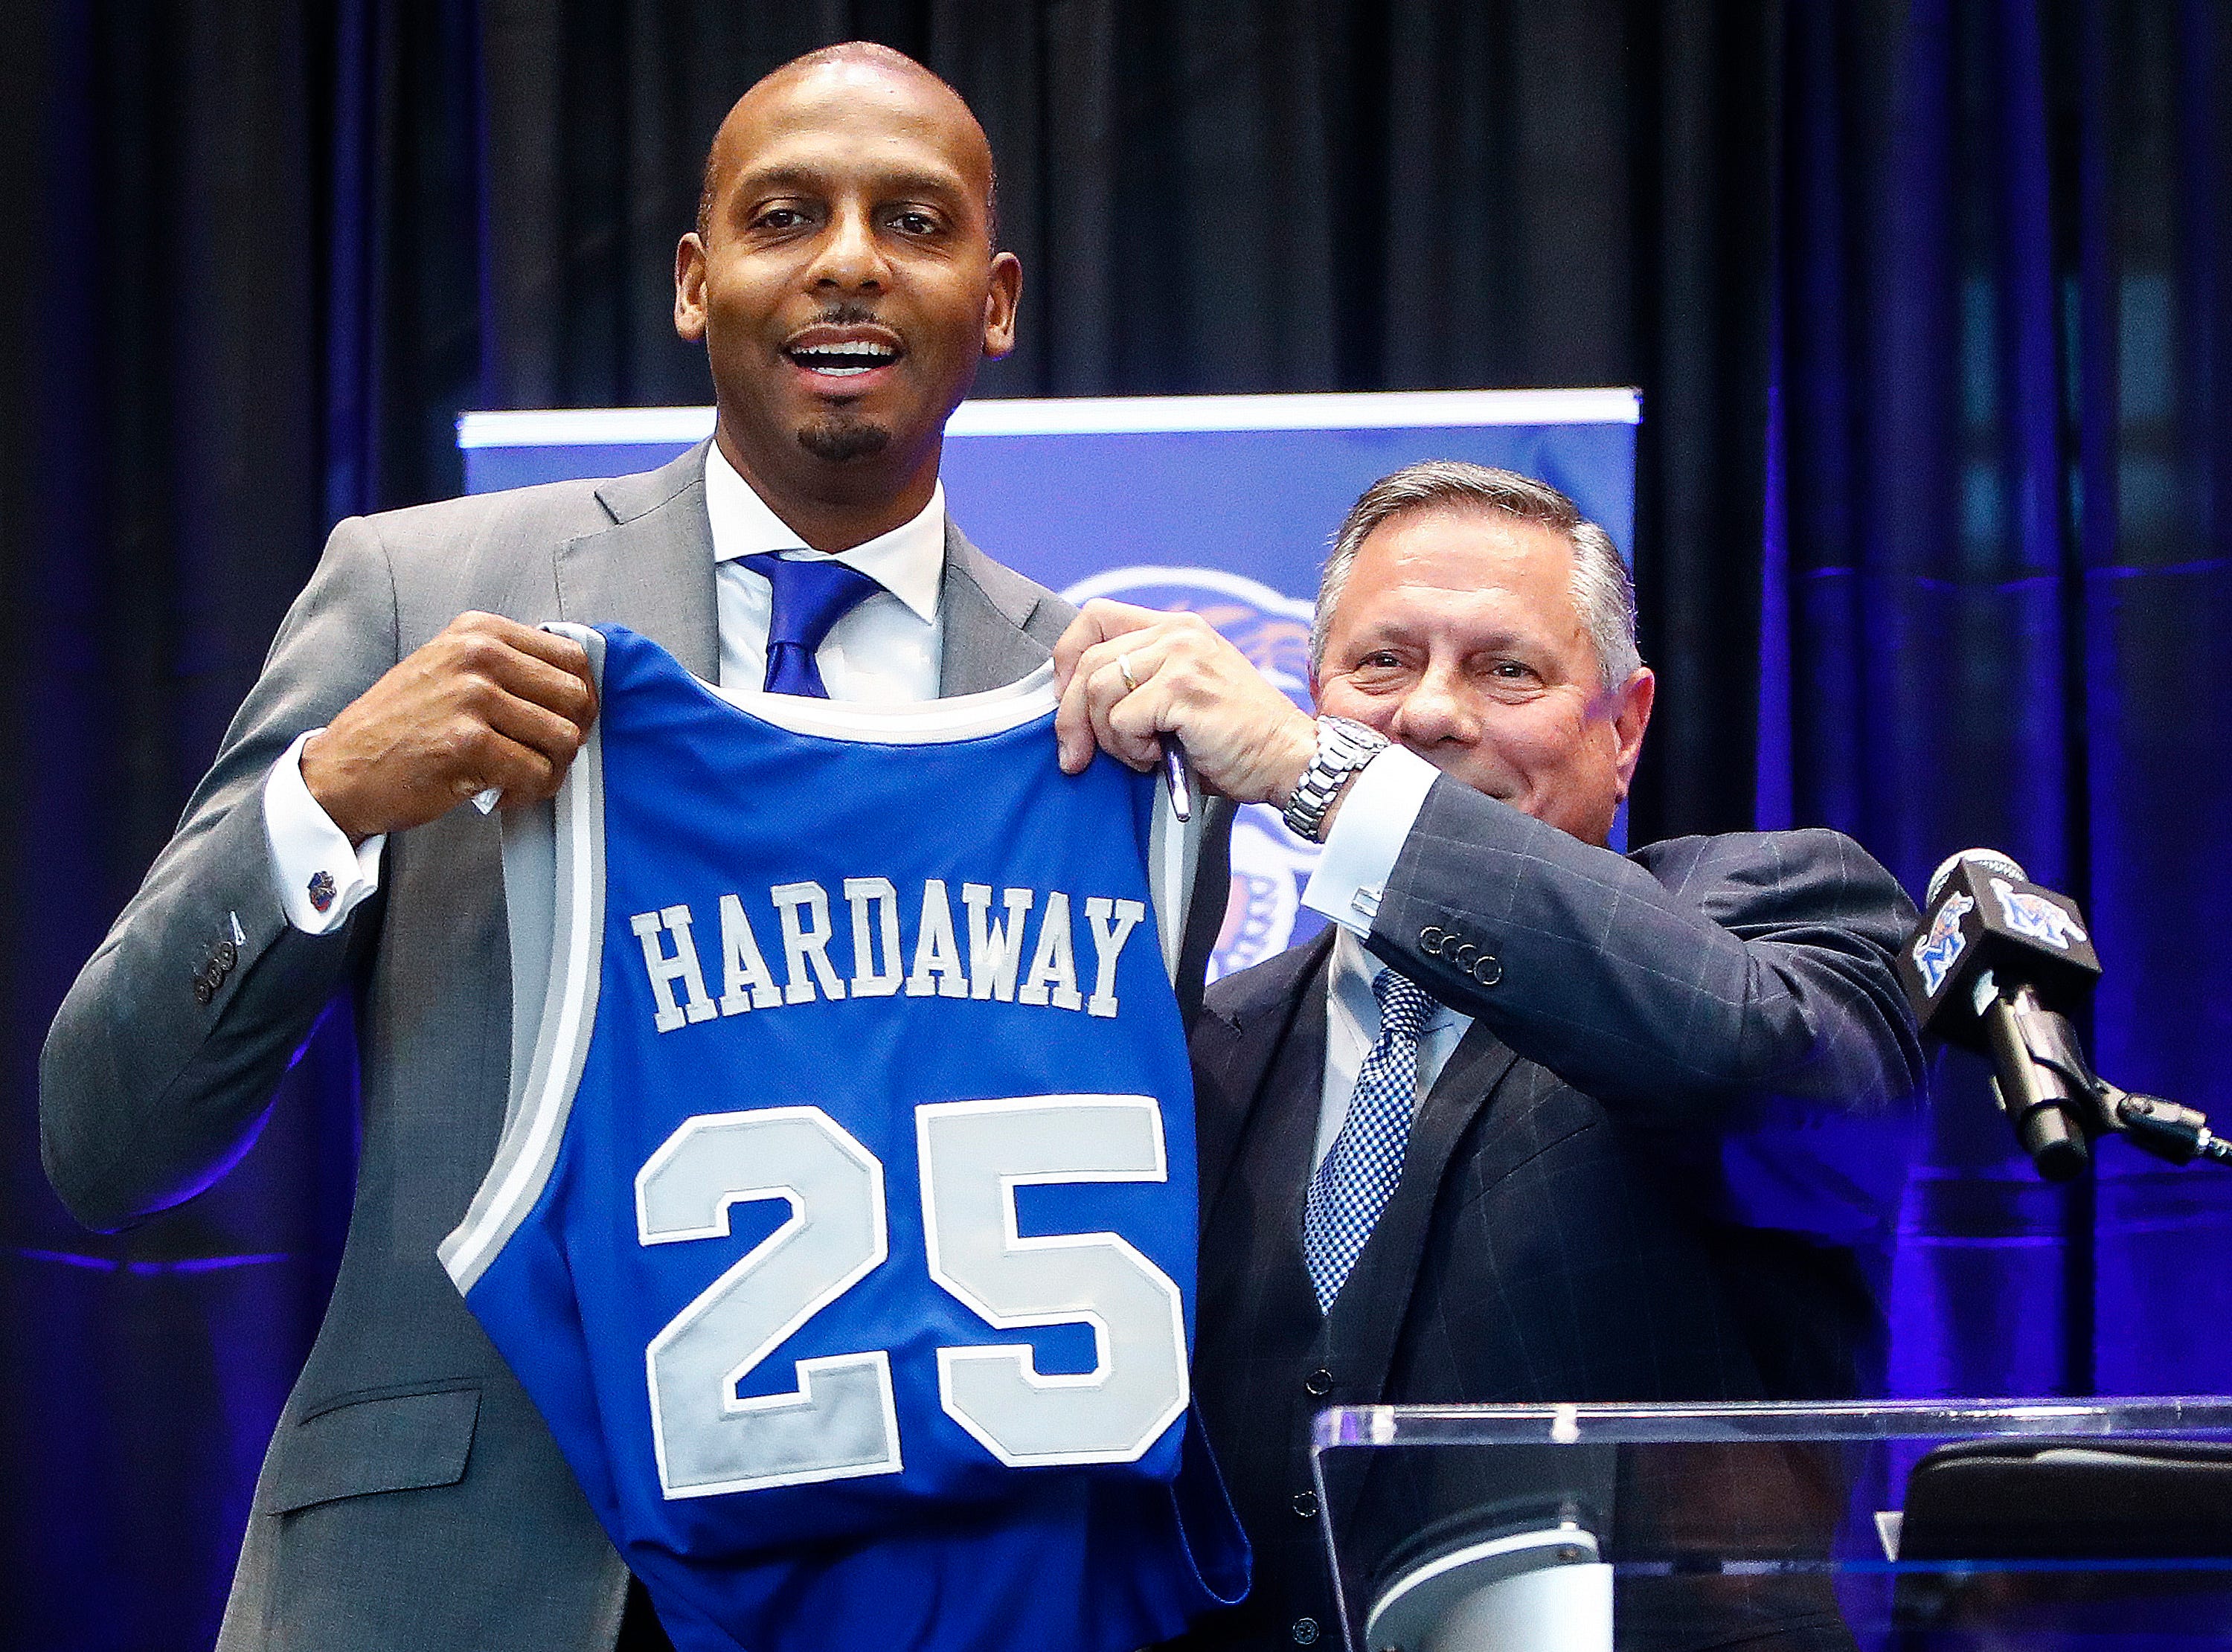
839,440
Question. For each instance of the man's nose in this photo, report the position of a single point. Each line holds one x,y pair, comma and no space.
849,256
1439,708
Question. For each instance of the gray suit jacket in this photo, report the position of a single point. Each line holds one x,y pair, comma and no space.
412,1497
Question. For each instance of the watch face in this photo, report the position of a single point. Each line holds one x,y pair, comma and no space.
1357,745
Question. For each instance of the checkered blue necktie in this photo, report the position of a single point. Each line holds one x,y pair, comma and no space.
810,599
1366,1161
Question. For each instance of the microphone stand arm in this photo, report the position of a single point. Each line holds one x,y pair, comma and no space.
2175,1134
2180,1135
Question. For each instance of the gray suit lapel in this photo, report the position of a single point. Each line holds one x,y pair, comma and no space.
999,626
653,569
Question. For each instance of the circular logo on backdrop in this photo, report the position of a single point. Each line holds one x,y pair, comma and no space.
1270,865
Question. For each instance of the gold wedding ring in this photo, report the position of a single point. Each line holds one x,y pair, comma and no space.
1124,670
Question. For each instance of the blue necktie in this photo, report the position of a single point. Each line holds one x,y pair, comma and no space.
809,598
1366,1161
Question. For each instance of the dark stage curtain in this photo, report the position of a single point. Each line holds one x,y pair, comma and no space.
1997,599
1929,303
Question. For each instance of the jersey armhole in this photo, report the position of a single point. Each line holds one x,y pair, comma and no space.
554,878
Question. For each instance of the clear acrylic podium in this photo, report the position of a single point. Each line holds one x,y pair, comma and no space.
1895,1526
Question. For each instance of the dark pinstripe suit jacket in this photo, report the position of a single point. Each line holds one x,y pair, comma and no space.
1563,1229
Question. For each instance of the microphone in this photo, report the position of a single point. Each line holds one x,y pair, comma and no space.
1997,964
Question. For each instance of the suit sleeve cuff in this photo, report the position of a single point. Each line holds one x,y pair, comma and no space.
1376,815
322,878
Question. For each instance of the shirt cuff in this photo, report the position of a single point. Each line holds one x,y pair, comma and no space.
1376,815
321,879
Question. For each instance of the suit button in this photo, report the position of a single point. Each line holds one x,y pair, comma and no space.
1464,955
1488,969
1430,941
227,955
1306,1505
1318,1383
202,991
1305,1631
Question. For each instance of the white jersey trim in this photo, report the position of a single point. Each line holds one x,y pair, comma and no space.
918,722
563,853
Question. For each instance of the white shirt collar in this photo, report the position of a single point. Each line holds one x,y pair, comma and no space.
909,562
1354,969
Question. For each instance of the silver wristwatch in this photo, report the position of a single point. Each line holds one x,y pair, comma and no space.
1344,747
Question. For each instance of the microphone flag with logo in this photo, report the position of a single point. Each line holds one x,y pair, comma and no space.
1996,965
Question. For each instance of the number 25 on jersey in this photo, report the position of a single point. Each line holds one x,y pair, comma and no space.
841,1420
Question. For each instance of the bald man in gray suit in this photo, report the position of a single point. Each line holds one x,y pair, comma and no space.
843,278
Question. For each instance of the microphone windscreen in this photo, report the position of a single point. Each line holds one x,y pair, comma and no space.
1989,859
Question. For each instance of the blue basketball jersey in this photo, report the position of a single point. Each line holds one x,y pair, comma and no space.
843,1223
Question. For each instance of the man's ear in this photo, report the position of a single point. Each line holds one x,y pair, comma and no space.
1630,717
690,288
1000,298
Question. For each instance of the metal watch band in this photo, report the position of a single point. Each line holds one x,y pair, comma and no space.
1344,747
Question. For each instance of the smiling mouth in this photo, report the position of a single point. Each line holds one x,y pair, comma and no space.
842,360
843,352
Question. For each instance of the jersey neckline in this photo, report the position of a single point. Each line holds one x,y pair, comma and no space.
920,723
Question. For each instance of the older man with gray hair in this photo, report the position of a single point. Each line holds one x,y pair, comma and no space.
1495,1135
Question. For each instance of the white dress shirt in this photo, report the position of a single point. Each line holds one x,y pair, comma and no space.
1376,812
883,651
1353,1025
886,650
